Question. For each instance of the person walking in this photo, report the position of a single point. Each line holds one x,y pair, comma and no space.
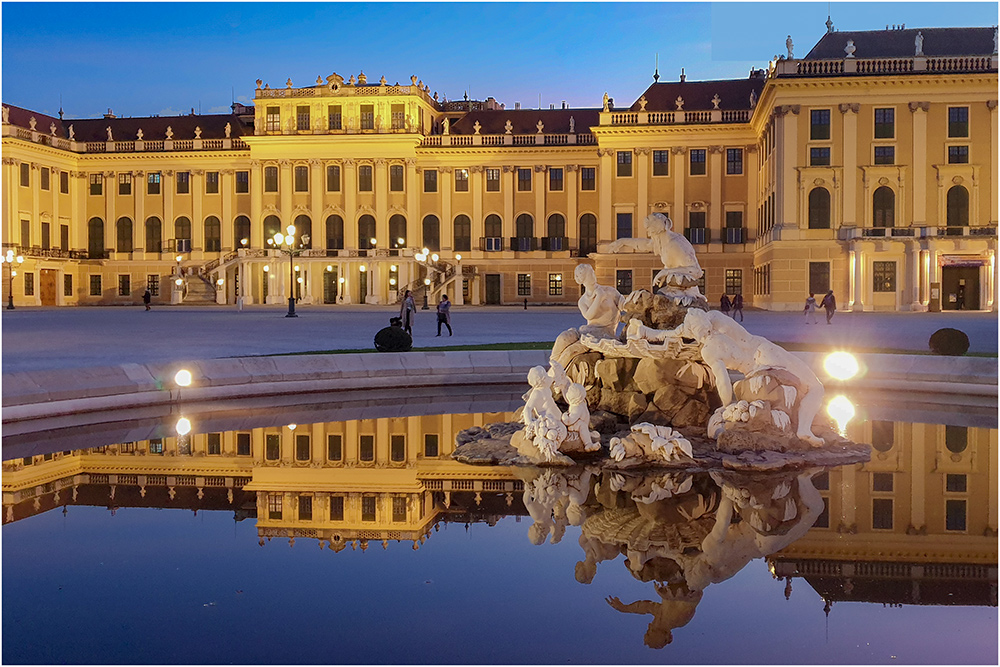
738,305
407,309
444,314
146,298
829,302
810,310
725,304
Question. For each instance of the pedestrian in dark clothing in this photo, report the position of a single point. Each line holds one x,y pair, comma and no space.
738,305
147,297
407,309
725,304
829,302
444,314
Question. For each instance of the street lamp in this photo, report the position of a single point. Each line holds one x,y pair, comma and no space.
10,260
286,243
427,286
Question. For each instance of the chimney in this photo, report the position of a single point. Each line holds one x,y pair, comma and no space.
683,76
517,106
564,104
552,106
109,114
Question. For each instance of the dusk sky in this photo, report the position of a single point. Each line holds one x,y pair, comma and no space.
141,59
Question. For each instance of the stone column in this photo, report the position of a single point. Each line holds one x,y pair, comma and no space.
752,167
850,148
919,436
857,284
10,186
167,190
918,112
913,259
994,170
786,155
413,188
77,211
381,441
36,218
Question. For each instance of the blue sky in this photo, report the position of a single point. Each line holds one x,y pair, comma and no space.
166,58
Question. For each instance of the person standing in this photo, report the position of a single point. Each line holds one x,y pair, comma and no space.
146,298
407,309
829,302
725,304
444,314
810,310
738,305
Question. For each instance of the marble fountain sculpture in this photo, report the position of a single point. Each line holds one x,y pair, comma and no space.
659,391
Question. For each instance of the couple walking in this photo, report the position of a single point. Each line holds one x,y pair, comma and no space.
829,303
408,309
736,305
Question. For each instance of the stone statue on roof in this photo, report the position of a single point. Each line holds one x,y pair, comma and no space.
680,103
572,125
6,115
72,133
850,49
715,101
446,126
52,129
540,125
508,127
477,127
138,135
789,45
642,103
170,132
605,107
31,123
110,137
229,130
918,43
197,132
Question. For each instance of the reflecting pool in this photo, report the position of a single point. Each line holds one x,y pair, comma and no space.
342,532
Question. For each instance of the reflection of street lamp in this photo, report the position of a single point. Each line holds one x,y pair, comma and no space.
286,243
10,260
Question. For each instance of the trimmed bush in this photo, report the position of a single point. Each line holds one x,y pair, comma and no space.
949,342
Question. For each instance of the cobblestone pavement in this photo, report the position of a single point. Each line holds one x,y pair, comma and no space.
47,338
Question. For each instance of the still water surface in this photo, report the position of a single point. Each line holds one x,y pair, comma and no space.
358,540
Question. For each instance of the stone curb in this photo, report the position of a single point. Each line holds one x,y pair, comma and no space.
43,394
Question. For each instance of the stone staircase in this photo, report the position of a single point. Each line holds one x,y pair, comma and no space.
199,291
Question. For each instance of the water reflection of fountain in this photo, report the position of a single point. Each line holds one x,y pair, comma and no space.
682,532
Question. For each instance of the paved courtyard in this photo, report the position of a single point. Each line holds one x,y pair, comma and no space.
48,338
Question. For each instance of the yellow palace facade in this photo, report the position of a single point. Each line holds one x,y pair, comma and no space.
869,167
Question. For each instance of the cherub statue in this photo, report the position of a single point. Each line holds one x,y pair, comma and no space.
599,304
542,418
577,418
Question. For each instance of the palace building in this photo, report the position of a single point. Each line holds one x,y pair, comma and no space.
869,167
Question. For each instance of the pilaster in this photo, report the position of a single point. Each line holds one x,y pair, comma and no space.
849,112
642,173
605,179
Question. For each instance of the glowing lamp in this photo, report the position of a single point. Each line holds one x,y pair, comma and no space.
183,426
183,378
841,365
842,411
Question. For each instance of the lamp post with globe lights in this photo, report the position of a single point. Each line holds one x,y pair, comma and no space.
10,260
286,243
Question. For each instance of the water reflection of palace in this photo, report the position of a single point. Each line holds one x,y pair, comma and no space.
337,482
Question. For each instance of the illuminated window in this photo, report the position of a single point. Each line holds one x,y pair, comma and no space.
153,284
623,281
399,509
461,180
274,505
524,284
273,119
398,117
156,446
734,281
883,276
96,184
367,117
555,284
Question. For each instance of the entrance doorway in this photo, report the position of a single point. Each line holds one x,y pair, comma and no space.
47,286
960,288
493,289
330,286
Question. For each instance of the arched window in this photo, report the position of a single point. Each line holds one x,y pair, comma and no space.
123,229
334,233
303,229
366,232
432,232
272,225
819,208
883,207
588,234
463,233
213,234
555,233
493,226
524,226
241,230
397,231
182,233
958,206
95,238
154,235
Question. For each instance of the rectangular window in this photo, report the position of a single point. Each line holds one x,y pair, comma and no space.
885,123
26,175
624,163
156,446
956,438
955,512
555,179
430,445
588,178
698,164
333,178
334,448
623,226
272,446
67,284
493,180
365,181
696,232
97,184
153,183
820,124
885,155
399,509
95,285
64,182
958,121
555,284
461,180
398,112
336,508
397,448
430,180
823,520
302,447
273,119
274,505
734,227
524,180
214,441
367,448
335,117
623,281
734,161
956,483
242,444
301,179
183,182
367,117
882,513
367,508
212,182
124,184
819,157
46,239
242,182
821,482
44,178
734,281
153,284
124,284
958,154
882,482
270,179
29,284
661,163
819,277
524,284
883,276
305,508
64,237
302,119
396,178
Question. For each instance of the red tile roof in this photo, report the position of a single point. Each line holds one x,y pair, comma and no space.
901,43
525,121
734,94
